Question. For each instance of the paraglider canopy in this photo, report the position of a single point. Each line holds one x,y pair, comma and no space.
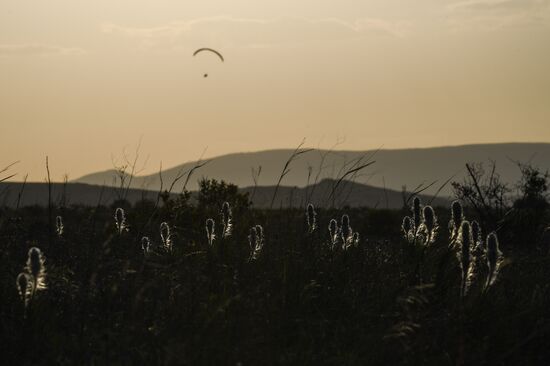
209,50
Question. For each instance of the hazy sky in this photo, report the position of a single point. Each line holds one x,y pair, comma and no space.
81,80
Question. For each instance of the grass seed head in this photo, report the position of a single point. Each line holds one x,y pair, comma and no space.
59,227
210,234
120,220
333,231
494,258
36,268
25,286
406,226
476,233
311,217
145,244
226,219
165,236
457,213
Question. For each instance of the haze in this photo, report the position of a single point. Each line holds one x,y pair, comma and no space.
81,80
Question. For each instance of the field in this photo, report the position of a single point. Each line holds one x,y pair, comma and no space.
288,296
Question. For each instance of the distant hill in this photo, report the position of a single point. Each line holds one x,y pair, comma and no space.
323,194
346,194
393,168
72,193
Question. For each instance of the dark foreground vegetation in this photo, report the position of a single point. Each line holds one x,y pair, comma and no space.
283,294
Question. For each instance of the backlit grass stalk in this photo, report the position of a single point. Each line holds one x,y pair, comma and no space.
120,221
227,220
311,218
59,227
210,234
166,236
457,216
465,242
256,241
494,259
333,233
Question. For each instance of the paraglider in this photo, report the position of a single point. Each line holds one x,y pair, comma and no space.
208,50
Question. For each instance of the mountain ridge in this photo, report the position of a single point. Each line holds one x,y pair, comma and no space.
393,167
323,194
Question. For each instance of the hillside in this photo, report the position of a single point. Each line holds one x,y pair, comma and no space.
346,194
392,168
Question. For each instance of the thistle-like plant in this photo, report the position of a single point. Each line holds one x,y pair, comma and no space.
165,236
355,239
479,245
120,220
346,232
311,218
145,245
210,234
25,286
226,220
457,216
429,225
494,258
413,228
407,228
333,232
465,241
256,241
252,237
59,227
36,268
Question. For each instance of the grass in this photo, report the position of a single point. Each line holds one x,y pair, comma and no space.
298,303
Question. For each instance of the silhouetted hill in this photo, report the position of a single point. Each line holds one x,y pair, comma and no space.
397,168
323,194
72,193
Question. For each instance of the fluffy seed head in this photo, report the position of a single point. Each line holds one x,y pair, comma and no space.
145,244
333,230
120,220
356,239
36,268
311,217
260,231
492,249
346,229
346,232
416,212
252,237
466,244
256,241
429,217
59,225
226,219
494,258
210,235
429,227
165,235
35,261
465,241
476,232
24,287
457,213
406,225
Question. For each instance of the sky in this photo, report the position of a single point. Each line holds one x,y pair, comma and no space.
83,81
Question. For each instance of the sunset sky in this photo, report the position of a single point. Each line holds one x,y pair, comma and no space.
81,80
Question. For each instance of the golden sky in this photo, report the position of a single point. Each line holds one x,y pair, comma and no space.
81,80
